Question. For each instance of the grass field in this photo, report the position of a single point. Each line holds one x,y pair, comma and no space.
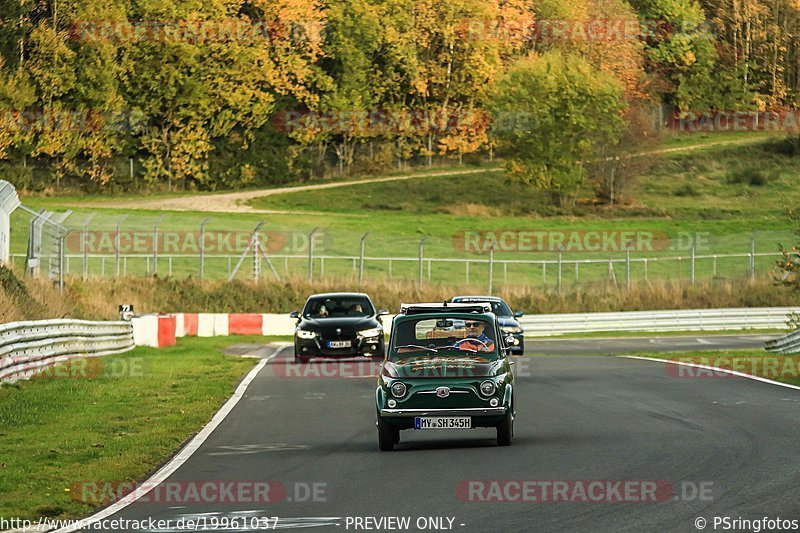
720,195
115,420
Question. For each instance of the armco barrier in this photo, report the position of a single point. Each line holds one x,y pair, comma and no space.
280,324
677,320
28,347
787,344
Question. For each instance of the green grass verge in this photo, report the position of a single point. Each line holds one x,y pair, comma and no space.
722,193
115,420
782,368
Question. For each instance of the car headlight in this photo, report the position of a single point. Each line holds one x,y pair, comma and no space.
398,389
511,329
488,388
372,332
303,334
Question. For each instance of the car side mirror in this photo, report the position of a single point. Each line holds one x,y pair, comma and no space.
517,314
295,314
383,312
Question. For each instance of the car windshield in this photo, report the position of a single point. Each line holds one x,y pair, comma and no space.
443,336
338,307
499,307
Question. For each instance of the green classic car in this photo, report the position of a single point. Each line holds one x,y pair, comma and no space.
447,367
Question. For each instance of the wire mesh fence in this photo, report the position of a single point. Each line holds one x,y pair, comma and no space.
87,244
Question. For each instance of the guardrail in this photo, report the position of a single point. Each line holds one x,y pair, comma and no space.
28,347
787,344
677,320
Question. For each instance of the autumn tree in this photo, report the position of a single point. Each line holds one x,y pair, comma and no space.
575,110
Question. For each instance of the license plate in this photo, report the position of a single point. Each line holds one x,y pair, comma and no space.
339,344
442,422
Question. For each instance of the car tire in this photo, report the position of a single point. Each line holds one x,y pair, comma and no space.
505,430
395,434
386,437
301,359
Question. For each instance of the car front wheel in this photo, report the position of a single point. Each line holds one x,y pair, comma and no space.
505,430
300,359
386,436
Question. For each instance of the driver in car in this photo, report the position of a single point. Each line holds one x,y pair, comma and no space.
476,337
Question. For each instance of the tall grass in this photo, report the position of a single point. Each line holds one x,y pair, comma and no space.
29,299
100,298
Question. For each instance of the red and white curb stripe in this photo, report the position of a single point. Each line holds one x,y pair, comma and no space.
162,330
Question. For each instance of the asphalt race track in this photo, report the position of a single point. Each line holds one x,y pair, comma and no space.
674,343
714,446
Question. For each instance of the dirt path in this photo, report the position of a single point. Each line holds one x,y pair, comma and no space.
236,202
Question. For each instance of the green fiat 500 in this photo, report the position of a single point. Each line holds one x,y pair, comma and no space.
447,367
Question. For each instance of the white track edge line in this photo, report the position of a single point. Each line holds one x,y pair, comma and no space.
182,456
716,369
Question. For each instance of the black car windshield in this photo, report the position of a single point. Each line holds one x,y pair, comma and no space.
499,307
338,307
443,336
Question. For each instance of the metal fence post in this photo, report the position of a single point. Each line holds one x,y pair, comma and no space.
60,262
421,250
753,256
560,249
361,259
256,245
466,273
491,268
155,244
311,254
203,247
117,243
628,264
694,255
86,244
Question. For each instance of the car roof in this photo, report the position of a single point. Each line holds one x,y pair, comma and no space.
338,295
478,298
489,317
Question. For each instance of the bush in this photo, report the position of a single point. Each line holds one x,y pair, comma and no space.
749,176
687,189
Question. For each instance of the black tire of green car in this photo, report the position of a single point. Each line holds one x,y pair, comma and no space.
505,430
386,437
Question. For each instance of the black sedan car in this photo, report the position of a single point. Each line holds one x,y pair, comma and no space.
338,325
507,319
